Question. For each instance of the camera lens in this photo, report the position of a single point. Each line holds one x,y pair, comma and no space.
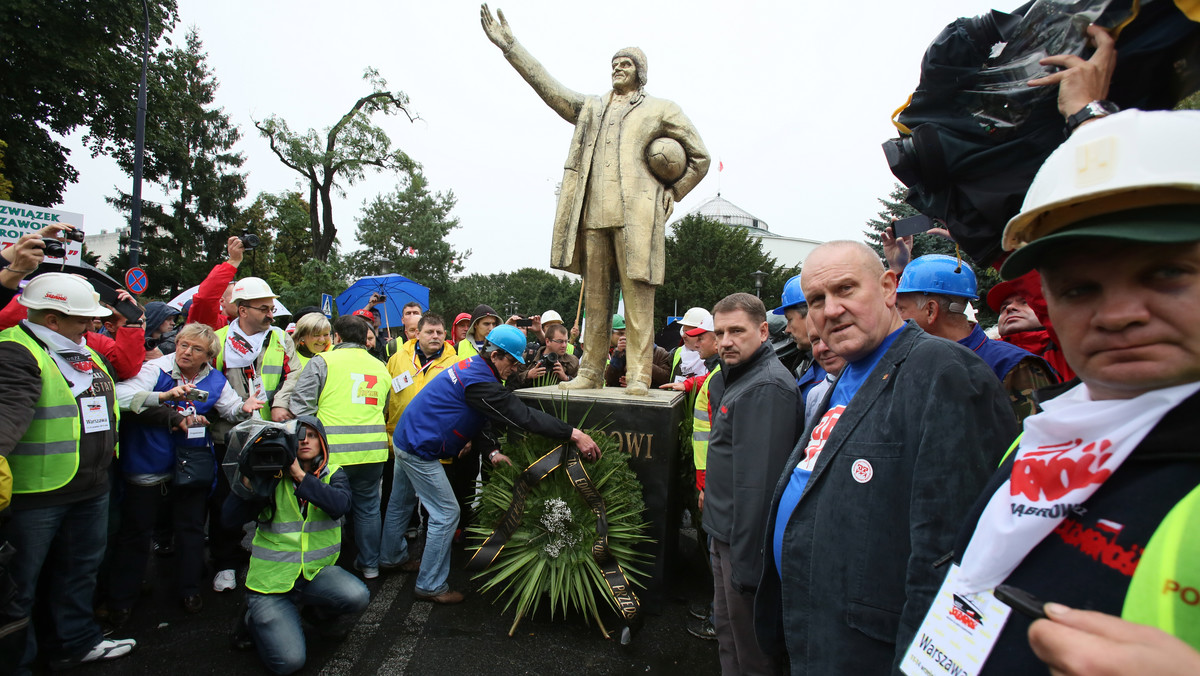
55,248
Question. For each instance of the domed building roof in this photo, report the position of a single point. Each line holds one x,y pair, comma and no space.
722,210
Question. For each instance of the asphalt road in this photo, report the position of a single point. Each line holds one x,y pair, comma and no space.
397,635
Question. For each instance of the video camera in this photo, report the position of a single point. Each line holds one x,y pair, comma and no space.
260,450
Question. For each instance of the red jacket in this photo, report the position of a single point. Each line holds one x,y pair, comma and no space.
126,353
206,302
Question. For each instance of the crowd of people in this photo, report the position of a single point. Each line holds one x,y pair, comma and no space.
914,497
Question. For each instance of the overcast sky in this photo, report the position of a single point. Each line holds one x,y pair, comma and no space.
793,98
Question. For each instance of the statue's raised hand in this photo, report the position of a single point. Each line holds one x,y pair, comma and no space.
498,32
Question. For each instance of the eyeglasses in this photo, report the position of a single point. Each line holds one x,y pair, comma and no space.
189,347
265,309
560,341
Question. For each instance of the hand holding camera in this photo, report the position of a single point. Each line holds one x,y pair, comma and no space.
180,393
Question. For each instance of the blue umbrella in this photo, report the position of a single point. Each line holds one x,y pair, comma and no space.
399,290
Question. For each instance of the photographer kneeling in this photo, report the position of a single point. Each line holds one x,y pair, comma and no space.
300,507
551,365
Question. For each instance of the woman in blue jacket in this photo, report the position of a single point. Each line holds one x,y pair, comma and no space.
167,458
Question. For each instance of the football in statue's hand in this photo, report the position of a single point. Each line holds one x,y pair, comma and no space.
666,159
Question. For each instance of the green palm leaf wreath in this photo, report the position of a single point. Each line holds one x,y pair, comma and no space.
550,553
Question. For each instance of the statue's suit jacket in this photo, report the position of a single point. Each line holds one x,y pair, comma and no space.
641,195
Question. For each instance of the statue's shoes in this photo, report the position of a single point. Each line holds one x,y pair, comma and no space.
637,390
581,383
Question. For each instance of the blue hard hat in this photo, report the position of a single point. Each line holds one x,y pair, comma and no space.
792,295
936,273
510,339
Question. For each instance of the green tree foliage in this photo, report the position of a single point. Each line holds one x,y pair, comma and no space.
894,207
280,221
708,260
528,291
404,232
316,277
341,155
189,154
6,186
67,65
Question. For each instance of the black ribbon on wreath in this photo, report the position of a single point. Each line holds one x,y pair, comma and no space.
567,457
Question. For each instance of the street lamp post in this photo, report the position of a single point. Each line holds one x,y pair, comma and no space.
758,276
139,144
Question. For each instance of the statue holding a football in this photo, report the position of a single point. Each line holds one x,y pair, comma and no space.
632,156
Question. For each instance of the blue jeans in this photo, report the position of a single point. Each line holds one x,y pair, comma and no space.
66,543
274,619
415,477
364,505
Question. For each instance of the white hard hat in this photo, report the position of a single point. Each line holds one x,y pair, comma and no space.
550,317
251,288
69,294
693,318
1124,161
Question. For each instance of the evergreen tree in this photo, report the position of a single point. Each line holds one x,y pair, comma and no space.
189,155
894,207
405,233
708,260
527,291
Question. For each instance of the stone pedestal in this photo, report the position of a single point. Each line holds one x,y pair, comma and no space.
646,428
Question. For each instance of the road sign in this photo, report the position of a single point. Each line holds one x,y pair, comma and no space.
327,305
136,280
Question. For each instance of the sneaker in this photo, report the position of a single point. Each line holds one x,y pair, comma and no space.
369,572
700,611
225,580
704,629
107,649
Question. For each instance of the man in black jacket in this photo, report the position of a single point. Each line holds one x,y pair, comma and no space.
755,422
871,498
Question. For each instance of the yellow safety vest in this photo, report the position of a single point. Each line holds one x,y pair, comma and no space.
466,348
47,456
351,406
274,356
1165,589
406,361
290,544
702,423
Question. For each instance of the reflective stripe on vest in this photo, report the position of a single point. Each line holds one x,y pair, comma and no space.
1165,589
290,545
47,456
273,357
351,406
702,424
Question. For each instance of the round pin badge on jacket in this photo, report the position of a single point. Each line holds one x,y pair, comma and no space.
862,471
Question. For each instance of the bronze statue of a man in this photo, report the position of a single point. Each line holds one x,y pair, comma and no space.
612,208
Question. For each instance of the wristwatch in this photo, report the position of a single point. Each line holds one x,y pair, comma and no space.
1090,112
